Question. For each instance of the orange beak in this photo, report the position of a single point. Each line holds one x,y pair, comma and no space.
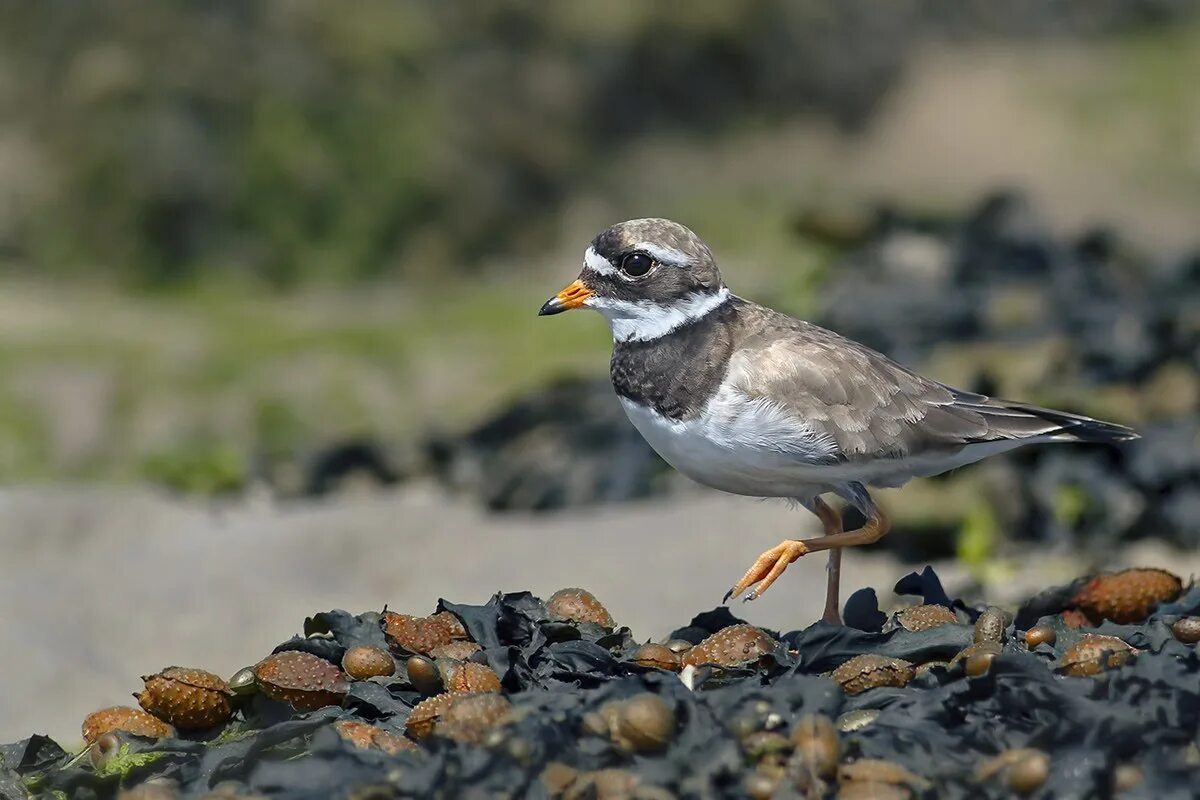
573,296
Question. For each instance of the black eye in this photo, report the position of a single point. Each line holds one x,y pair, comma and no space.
636,264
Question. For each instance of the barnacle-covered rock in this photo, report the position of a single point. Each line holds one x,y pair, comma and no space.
366,736
459,650
189,699
869,671
1126,596
420,634
925,617
1093,652
124,718
302,680
817,744
469,717
579,605
657,656
467,676
990,626
730,647
425,714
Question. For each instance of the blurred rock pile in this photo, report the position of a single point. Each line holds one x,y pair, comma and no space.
995,304
990,302
566,445
1090,690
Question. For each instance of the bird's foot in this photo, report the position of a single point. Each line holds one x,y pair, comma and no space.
769,566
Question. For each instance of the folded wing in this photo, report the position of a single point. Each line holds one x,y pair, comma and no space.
876,409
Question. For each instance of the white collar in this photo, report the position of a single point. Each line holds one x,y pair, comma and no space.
643,320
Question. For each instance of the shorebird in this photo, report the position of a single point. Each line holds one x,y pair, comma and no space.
748,400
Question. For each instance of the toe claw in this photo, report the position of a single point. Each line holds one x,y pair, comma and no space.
728,595
769,566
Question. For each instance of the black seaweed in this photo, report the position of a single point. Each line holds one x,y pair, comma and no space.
942,725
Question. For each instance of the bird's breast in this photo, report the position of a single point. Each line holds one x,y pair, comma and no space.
735,444
676,374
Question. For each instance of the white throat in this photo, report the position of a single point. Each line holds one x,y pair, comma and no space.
642,320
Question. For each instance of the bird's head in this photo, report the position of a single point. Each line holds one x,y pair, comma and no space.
647,277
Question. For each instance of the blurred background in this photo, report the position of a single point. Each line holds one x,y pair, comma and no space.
269,275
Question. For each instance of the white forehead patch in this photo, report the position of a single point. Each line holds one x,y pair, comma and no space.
598,263
642,320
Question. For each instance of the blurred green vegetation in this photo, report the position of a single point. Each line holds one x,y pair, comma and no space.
341,211
186,388
1139,110
302,140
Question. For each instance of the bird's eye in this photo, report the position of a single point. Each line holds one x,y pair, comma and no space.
636,264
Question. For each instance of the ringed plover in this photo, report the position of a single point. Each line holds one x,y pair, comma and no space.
748,400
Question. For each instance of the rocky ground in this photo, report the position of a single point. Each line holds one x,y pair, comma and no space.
1085,689
105,585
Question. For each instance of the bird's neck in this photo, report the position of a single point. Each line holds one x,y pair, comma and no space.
645,320
677,372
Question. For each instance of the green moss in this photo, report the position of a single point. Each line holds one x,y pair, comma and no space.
125,760
232,733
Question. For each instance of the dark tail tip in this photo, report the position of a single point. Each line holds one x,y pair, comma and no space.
1094,430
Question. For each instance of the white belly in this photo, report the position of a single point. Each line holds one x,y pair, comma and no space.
741,446
752,447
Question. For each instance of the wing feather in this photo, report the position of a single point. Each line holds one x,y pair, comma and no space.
874,408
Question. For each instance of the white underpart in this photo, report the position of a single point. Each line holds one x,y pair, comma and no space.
739,444
640,320
754,447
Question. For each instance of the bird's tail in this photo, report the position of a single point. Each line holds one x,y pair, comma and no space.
1055,425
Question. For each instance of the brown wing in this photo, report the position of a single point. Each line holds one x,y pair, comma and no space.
874,408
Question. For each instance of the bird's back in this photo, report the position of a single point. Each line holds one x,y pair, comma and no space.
749,378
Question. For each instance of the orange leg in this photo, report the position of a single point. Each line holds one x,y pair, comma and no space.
771,564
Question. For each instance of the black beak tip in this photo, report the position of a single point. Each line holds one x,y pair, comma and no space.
550,307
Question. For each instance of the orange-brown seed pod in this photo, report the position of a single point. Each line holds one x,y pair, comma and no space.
579,605
365,662
189,699
1127,596
124,718
302,680
730,647
869,671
